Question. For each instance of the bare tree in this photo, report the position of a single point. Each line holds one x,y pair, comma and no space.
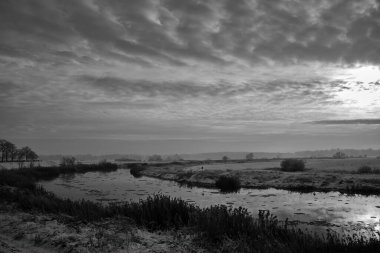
9,147
12,151
2,149
33,157
67,161
26,152
249,157
225,158
20,158
339,155
9,152
156,158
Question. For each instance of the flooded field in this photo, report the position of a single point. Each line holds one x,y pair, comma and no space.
315,211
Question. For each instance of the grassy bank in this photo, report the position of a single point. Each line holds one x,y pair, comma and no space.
27,177
217,228
307,180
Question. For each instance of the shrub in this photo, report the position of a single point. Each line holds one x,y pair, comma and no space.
292,165
228,183
136,169
365,169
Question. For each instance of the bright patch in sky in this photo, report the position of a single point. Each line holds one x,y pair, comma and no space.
362,88
365,74
360,97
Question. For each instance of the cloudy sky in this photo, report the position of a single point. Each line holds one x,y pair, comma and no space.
185,76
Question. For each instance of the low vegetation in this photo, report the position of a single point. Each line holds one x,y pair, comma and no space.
365,169
361,189
291,165
27,177
228,183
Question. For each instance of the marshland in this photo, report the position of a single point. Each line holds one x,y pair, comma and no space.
189,126
193,206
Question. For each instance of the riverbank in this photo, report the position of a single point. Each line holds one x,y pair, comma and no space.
344,181
36,232
37,221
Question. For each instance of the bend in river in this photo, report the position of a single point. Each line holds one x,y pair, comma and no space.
314,211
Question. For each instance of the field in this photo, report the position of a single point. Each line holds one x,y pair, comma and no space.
349,164
320,175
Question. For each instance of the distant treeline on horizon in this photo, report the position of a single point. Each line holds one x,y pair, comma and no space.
219,155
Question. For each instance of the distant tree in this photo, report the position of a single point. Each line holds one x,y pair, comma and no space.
20,158
175,157
339,155
9,152
2,149
26,152
9,148
249,157
67,161
103,162
155,158
225,158
33,155
12,152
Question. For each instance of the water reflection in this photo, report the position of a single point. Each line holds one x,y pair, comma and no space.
313,210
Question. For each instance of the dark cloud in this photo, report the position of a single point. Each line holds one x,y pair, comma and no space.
348,122
177,31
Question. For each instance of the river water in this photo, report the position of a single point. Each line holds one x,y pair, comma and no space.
314,211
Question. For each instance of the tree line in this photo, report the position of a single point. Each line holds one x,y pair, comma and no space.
10,153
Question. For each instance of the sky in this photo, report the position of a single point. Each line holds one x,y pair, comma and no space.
189,76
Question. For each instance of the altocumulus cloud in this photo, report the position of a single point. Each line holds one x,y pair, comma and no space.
213,31
239,66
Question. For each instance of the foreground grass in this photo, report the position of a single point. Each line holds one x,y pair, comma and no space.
218,228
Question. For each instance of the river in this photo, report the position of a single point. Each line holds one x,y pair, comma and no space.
317,212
